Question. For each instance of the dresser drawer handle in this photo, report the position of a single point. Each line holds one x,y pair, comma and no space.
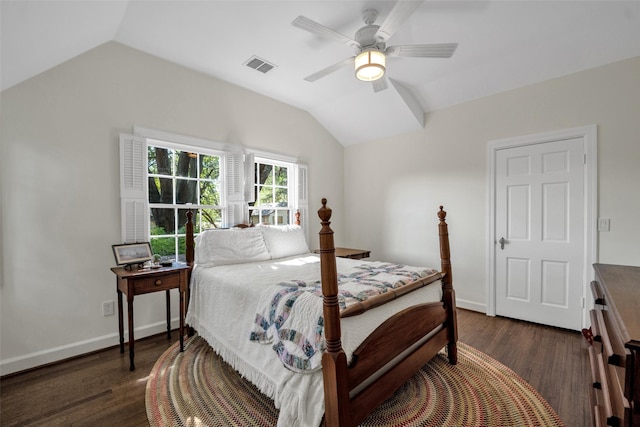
158,282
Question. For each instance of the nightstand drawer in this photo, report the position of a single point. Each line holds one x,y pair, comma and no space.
156,283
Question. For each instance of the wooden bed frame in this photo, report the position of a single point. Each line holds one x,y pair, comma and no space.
392,354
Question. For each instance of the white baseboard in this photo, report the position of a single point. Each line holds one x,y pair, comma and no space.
471,305
33,360
43,357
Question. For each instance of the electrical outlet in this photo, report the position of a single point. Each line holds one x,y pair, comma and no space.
604,224
108,308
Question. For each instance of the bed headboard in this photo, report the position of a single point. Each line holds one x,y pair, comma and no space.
190,245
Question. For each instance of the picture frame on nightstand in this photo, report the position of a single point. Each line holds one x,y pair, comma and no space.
132,253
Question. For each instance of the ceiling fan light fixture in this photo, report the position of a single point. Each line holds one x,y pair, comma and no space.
370,65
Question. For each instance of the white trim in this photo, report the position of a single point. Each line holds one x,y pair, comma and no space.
178,146
589,135
275,157
193,141
471,305
56,354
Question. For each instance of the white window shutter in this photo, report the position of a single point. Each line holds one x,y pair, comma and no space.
234,180
133,160
234,171
133,189
249,177
302,184
235,212
302,201
134,220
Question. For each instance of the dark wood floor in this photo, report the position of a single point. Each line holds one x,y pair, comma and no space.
99,390
554,361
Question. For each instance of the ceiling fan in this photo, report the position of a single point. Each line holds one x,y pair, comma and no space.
370,44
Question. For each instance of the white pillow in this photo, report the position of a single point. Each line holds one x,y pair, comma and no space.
284,240
230,246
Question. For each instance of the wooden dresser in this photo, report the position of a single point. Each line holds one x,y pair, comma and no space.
615,353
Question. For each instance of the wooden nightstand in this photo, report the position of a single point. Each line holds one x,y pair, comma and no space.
142,281
349,253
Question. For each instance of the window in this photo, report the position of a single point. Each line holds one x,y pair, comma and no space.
179,180
163,175
272,193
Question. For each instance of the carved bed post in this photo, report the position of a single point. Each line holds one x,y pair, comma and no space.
449,296
189,258
334,361
297,216
189,239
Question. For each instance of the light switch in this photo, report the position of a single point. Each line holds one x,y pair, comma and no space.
604,224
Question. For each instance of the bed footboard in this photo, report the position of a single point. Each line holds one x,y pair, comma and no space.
393,353
393,337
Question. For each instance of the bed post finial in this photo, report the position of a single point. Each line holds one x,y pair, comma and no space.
325,214
297,216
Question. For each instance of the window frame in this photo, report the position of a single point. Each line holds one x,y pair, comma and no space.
292,204
178,207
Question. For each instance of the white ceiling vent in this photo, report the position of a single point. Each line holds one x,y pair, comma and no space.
259,64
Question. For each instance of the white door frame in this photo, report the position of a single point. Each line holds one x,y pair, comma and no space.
589,135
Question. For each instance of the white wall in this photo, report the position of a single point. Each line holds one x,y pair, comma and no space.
60,190
395,185
60,186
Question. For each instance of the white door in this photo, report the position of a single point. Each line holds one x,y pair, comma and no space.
540,232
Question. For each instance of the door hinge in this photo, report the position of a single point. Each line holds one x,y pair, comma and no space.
585,159
582,301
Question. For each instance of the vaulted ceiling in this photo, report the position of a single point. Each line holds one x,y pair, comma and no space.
502,45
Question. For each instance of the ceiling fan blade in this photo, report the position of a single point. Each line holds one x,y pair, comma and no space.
326,71
441,50
326,32
380,84
400,12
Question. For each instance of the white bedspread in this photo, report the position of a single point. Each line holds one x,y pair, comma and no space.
223,306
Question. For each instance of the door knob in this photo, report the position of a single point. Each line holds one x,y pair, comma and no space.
502,241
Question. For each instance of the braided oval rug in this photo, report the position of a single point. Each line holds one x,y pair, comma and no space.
197,388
